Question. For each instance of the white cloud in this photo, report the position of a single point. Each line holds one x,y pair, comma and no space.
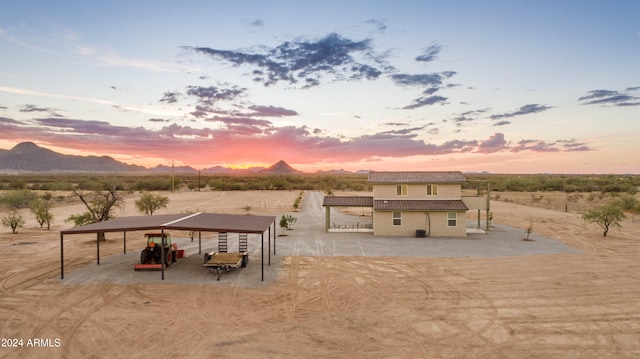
109,58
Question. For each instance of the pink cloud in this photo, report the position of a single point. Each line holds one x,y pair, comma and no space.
247,140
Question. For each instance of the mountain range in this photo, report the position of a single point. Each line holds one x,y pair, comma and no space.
29,157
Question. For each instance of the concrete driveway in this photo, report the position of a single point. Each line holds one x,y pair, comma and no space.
309,238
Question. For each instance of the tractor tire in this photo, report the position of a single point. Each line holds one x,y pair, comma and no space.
145,256
168,262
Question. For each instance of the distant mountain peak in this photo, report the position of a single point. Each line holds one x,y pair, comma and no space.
280,167
27,147
29,157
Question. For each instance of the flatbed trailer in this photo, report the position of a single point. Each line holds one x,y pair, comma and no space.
217,262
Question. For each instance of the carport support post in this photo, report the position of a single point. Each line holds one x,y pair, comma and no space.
479,211
162,251
269,241
199,242
125,242
61,256
488,205
274,236
262,254
98,247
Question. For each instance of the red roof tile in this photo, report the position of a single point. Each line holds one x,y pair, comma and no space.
347,201
419,205
417,177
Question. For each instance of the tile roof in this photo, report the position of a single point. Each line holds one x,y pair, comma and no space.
419,205
347,201
417,177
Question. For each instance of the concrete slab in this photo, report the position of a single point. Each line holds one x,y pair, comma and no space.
308,238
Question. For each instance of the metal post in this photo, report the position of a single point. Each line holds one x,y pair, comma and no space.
98,247
479,210
61,256
125,242
274,239
199,242
162,251
262,255
488,205
269,248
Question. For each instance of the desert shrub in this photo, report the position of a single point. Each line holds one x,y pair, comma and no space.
153,184
14,221
607,216
16,184
18,198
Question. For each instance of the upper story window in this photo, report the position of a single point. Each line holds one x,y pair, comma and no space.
432,190
401,190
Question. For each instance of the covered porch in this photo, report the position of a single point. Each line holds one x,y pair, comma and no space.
344,223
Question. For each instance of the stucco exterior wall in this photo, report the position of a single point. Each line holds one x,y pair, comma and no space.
476,202
436,224
417,191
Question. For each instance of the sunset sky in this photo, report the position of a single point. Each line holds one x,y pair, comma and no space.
499,86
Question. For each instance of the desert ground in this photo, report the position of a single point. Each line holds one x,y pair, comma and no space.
577,304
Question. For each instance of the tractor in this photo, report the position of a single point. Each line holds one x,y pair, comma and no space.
152,253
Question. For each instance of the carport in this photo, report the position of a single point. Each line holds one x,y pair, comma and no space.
201,222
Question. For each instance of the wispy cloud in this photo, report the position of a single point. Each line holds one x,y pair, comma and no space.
211,95
610,97
524,110
110,58
256,23
170,97
543,146
148,110
430,53
272,111
431,82
379,24
33,108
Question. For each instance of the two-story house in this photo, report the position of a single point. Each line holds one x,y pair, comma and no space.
415,203
406,202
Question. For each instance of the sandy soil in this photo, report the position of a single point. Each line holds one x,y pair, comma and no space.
583,304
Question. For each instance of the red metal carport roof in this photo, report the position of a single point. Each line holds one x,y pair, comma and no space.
206,222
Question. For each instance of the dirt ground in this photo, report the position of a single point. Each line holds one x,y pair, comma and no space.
582,304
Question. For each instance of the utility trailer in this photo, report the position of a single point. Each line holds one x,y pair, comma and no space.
218,262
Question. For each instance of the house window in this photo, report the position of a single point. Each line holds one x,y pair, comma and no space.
432,190
401,190
397,218
452,219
